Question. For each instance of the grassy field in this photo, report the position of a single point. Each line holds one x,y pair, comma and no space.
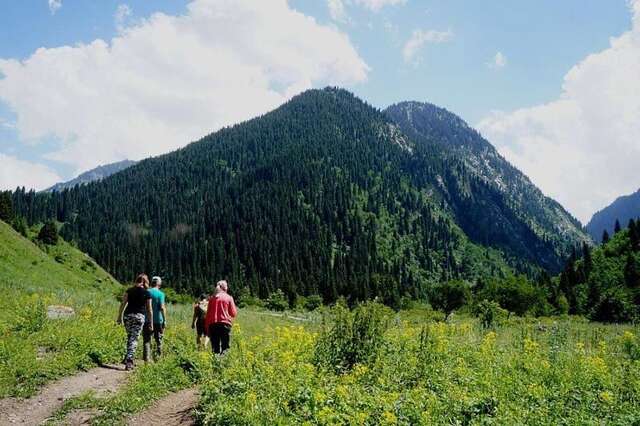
369,366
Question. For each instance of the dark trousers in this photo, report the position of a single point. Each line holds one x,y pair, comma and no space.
219,336
157,334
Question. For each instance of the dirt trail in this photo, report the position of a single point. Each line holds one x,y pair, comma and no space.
37,409
174,409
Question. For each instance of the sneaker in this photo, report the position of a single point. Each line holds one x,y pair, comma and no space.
128,365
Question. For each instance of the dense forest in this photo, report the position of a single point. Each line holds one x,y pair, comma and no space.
325,195
604,283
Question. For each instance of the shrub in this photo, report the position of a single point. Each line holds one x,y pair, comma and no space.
277,301
614,306
490,313
354,337
450,296
48,234
245,298
312,302
20,225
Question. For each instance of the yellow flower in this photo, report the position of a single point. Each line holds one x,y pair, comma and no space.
606,397
388,418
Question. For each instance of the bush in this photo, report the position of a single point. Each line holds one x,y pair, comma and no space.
277,301
614,306
20,225
450,296
245,298
354,337
173,296
312,302
490,313
517,294
48,234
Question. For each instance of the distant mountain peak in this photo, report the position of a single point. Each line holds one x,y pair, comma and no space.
93,175
622,209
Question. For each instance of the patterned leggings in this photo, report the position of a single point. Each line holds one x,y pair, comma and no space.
133,323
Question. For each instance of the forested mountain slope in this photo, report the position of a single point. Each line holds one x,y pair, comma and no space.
493,202
622,209
323,195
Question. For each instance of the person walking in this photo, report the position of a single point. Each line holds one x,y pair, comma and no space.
159,320
198,321
136,302
221,312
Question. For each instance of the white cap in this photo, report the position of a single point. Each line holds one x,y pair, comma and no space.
156,279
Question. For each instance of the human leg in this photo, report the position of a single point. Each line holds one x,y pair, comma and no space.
133,324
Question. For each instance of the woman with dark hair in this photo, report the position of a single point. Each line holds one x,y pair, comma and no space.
136,302
197,323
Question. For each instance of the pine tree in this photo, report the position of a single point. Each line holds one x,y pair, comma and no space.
631,272
617,228
6,207
49,233
605,237
634,235
587,261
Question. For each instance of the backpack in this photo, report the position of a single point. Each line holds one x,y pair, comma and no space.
203,305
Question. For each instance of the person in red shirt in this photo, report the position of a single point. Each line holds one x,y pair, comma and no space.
221,312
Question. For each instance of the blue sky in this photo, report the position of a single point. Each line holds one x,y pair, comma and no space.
57,118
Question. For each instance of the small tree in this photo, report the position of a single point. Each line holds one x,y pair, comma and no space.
605,237
20,225
49,234
450,296
6,207
277,301
617,228
313,302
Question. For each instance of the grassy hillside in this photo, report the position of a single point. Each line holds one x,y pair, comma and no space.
33,348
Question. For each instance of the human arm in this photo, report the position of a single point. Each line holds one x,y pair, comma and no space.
233,311
163,309
123,305
149,308
195,316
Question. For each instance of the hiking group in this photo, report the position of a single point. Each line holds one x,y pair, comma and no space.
143,311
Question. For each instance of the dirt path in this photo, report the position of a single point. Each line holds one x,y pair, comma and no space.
175,409
37,409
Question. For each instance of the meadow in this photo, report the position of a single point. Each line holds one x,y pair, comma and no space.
365,366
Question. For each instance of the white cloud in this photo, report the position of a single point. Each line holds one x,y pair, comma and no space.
421,37
123,13
337,10
376,5
54,5
583,148
169,80
15,172
498,61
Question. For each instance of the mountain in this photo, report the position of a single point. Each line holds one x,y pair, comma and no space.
622,209
98,173
492,201
324,195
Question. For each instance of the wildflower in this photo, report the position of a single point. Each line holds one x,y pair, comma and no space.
606,397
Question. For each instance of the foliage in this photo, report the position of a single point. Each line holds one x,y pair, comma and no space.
48,233
605,282
450,296
516,294
526,372
6,207
325,195
353,337
490,313
277,301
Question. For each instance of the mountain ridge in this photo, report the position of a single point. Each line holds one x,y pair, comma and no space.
324,194
622,209
95,174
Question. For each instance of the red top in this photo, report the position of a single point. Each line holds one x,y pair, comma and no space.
221,309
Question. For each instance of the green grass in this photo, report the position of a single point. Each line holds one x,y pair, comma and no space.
423,371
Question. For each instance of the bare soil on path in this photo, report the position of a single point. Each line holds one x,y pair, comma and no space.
37,409
172,410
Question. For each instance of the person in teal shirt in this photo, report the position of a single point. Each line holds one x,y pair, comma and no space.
159,319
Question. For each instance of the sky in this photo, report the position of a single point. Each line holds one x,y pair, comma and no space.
553,85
